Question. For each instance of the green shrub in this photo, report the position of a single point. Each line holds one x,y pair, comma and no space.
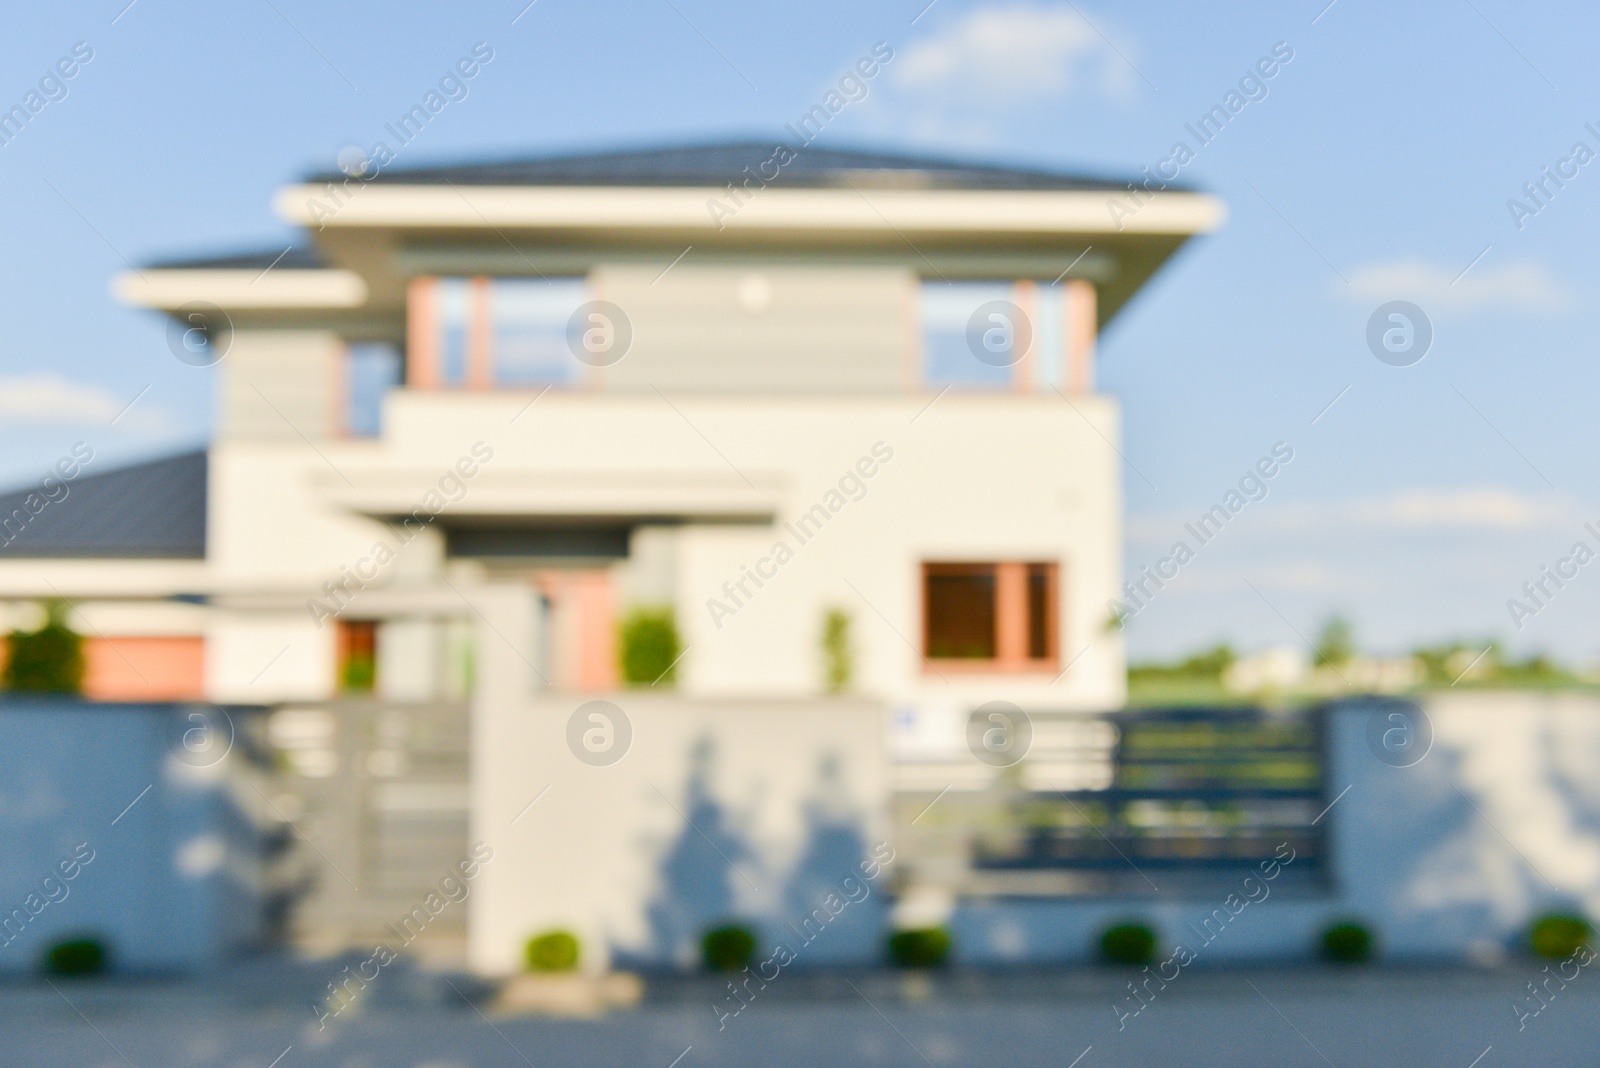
728,949
47,660
1347,942
359,674
553,951
75,957
649,647
838,657
1128,943
919,947
1557,935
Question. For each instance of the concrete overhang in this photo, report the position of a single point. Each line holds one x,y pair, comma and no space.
635,209
708,496
230,289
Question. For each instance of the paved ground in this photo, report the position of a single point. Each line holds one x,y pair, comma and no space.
1252,1017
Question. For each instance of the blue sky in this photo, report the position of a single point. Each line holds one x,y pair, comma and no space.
1378,166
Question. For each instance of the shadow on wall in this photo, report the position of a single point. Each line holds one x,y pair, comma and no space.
1425,851
699,872
1499,823
833,853
711,873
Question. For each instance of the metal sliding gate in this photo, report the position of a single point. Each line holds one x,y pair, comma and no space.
376,794
1160,802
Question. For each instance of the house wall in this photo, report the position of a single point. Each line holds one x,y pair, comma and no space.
144,668
971,477
279,385
273,540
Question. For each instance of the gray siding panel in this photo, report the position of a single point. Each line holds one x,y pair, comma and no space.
280,385
762,329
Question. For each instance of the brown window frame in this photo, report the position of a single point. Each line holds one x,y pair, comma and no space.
1014,618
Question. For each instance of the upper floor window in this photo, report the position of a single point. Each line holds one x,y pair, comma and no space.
371,370
479,332
992,335
992,616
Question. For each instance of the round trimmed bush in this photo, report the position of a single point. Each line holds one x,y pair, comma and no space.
728,949
1347,942
648,647
1128,943
75,957
919,947
1558,935
553,951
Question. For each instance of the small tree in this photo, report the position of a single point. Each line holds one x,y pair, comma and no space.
47,660
1336,644
838,657
649,647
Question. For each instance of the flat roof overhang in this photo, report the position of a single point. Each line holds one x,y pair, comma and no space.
692,209
510,498
376,237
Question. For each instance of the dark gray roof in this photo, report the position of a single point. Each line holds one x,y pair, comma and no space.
283,257
717,164
152,510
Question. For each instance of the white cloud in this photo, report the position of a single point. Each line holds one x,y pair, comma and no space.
1519,285
1479,507
1013,51
1303,576
1417,509
51,400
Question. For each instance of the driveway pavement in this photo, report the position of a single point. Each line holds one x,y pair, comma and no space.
260,1016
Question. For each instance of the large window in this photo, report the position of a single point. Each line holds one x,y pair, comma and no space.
371,370
999,616
992,335
481,332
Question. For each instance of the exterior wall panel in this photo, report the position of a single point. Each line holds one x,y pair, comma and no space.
758,329
278,385
144,668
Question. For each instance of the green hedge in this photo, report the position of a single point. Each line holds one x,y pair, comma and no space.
76,957
729,948
1348,942
919,947
1558,935
1128,943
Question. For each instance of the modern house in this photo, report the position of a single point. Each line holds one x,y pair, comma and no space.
486,411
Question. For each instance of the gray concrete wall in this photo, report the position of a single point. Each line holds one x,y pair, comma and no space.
712,811
1447,834
157,804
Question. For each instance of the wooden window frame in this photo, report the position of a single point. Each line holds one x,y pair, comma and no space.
1011,618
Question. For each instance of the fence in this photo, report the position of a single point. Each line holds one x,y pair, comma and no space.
1172,802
